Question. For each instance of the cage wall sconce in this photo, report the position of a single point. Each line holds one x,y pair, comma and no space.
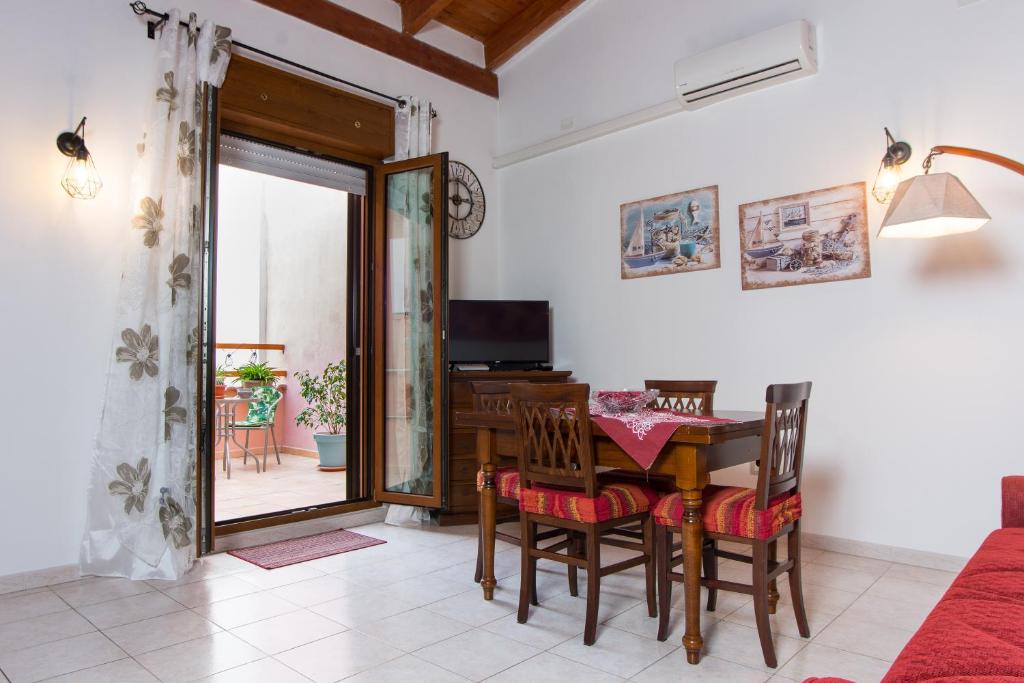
888,178
81,180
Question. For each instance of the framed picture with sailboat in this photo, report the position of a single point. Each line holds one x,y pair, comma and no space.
674,233
819,236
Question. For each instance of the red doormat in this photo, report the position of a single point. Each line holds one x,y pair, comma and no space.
295,550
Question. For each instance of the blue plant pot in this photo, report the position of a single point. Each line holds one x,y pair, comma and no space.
688,248
332,449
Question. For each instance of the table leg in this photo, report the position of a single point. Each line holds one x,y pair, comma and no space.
489,503
486,445
693,541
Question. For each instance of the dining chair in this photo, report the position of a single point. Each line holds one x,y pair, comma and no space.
494,397
695,397
559,488
758,517
260,417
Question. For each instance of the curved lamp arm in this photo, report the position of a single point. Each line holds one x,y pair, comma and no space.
974,154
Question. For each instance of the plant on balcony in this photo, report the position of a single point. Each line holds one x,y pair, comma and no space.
257,375
327,397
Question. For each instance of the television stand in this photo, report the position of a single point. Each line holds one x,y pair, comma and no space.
460,461
518,366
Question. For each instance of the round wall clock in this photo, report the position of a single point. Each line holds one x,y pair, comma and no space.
466,203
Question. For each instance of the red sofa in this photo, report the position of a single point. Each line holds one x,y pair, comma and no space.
976,631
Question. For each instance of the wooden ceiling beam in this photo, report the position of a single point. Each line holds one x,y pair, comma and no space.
372,34
524,28
418,13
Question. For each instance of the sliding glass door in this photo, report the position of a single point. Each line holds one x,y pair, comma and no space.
411,367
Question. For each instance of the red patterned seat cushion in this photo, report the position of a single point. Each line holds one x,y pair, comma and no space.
730,510
506,481
612,502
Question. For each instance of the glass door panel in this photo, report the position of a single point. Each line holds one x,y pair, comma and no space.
412,253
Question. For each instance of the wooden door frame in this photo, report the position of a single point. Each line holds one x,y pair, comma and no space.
439,165
274,134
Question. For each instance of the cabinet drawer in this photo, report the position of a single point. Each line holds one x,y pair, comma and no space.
462,443
463,496
464,469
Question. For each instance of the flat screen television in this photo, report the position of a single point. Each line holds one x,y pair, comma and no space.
498,332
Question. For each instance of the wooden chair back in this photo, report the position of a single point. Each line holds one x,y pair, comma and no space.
782,441
553,439
693,397
493,397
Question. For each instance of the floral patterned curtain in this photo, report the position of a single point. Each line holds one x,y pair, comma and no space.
141,516
409,199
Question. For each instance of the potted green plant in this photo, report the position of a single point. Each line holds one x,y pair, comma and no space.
327,398
218,382
256,375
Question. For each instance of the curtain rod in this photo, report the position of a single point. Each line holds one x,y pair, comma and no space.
141,9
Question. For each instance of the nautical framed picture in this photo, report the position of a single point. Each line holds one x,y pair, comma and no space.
818,236
674,233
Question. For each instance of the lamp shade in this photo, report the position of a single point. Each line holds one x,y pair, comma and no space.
932,205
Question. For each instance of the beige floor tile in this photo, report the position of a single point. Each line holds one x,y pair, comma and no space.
47,628
842,578
413,630
616,652
113,613
936,577
210,590
362,608
423,590
295,482
783,621
58,658
876,610
338,656
674,668
636,620
121,671
741,645
93,589
199,658
317,591
245,609
160,632
549,667
404,669
477,654
915,592
818,598
862,564
471,608
864,638
27,605
264,670
288,631
274,578
820,660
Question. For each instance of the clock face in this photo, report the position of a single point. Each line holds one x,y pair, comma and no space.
466,203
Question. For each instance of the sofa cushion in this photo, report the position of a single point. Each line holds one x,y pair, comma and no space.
976,631
730,510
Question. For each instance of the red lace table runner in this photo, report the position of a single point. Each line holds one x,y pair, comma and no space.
643,434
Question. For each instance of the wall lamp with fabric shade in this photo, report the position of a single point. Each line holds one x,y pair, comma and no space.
935,205
81,180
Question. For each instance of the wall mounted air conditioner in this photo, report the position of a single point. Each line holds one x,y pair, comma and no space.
781,54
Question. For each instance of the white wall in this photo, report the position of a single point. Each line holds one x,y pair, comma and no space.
917,370
60,258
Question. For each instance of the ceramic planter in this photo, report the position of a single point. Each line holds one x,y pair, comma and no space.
332,449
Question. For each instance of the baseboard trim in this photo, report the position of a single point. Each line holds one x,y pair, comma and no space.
889,553
38,578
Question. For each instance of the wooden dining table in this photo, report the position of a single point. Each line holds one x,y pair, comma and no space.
690,455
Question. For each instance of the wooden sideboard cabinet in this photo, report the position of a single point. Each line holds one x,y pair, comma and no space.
460,460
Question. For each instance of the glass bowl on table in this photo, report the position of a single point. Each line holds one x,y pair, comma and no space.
619,402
